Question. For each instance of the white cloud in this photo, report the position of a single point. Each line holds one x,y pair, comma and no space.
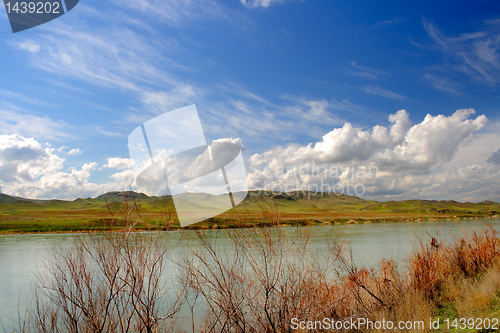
125,177
160,102
16,96
263,3
115,55
176,12
422,146
29,169
432,142
23,159
28,45
236,141
118,163
475,54
442,83
383,92
112,56
365,72
257,120
399,161
15,121
470,183
75,151
495,157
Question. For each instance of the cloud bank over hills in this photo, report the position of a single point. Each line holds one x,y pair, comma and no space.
399,161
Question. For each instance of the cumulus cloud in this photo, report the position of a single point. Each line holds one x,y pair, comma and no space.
495,158
400,161
421,146
125,177
75,151
236,141
182,167
24,159
118,163
32,170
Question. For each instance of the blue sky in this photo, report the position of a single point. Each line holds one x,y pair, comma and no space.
297,82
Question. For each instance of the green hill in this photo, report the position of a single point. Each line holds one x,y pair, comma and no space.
114,209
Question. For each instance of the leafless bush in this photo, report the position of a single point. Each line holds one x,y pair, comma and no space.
259,283
111,282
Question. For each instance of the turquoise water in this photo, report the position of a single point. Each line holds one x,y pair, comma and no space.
22,257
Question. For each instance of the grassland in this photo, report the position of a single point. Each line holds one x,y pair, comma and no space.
116,209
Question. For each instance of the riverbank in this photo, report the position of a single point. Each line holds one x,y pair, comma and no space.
221,223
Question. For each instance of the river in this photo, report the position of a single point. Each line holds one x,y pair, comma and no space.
23,256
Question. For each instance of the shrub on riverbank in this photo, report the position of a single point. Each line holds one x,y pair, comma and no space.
267,280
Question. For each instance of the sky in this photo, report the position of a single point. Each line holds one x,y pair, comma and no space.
384,100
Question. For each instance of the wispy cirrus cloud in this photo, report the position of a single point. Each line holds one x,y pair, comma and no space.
376,90
475,54
443,83
177,12
112,56
390,22
16,121
17,96
265,3
118,58
259,121
365,72
28,45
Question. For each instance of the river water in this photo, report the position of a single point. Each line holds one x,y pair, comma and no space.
22,257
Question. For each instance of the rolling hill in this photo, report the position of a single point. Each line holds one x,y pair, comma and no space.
116,209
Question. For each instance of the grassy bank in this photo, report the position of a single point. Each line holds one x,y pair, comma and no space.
113,210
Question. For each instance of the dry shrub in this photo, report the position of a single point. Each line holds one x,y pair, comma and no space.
475,252
434,267
105,283
261,282
265,278
428,269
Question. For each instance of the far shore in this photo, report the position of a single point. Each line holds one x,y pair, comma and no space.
221,223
